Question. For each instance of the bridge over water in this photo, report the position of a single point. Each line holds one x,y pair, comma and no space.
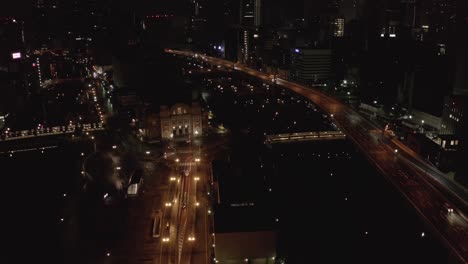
305,136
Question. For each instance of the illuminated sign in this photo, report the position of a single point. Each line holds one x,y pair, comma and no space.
16,55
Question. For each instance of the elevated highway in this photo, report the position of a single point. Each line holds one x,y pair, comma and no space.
440,203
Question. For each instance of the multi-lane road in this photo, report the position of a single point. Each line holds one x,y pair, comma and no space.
442,204
185,234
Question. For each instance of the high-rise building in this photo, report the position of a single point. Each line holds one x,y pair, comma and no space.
248,34
455,128
44,4
311,64
245,45
339,27
251,12
455,115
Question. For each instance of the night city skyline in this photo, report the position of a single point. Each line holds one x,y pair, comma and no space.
234,131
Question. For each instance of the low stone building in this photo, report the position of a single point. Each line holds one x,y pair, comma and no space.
182,121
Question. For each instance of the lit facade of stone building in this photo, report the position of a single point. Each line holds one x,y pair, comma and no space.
181,121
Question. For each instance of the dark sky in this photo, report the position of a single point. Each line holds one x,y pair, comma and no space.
15,7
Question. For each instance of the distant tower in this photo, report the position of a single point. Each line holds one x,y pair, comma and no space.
258,13
251,12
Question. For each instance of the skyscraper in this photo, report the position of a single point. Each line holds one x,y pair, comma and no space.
339,27
251,12
311,64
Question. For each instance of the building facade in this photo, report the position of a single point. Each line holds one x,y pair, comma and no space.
308,64
454,116
251,12
181,121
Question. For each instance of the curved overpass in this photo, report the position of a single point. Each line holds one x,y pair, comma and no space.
442,204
